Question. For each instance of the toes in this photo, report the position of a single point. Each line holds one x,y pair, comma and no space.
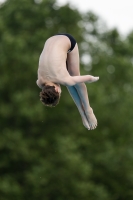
87,126
86,123
93,126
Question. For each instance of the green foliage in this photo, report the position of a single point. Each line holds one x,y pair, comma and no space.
47,153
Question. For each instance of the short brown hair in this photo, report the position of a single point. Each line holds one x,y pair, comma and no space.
48,96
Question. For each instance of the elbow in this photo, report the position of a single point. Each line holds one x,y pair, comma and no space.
70,82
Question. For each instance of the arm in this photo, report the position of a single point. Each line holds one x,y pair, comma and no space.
73,80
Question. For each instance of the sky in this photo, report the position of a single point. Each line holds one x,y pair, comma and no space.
116,13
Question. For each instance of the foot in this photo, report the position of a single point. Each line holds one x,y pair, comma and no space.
85,122
91,119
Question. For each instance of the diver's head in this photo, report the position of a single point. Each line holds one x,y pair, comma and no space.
50,94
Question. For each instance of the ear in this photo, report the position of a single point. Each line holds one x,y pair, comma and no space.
56,88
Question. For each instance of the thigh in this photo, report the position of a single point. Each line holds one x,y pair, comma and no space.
73,62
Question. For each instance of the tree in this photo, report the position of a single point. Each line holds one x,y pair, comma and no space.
47,153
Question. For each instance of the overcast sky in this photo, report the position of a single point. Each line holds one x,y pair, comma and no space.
116,13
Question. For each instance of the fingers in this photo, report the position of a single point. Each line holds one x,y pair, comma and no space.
92,79
96,78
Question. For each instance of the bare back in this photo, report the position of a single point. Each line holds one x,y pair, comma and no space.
52,61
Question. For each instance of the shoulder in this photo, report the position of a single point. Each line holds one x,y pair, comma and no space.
40,82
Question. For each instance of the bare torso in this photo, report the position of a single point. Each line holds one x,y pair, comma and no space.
52,61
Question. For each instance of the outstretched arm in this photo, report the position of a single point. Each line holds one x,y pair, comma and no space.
73,80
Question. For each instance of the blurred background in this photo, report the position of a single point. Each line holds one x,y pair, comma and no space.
46,153
116,13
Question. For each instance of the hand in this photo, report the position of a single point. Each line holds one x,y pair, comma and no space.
92,79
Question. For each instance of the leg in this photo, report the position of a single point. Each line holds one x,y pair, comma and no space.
73,69
76,98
